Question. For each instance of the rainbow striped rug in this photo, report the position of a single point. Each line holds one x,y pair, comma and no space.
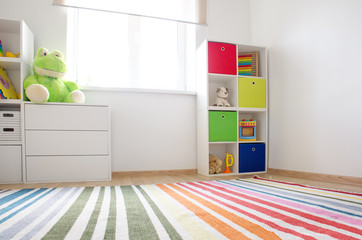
232,209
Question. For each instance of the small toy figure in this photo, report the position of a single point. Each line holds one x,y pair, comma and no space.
222,94
229,160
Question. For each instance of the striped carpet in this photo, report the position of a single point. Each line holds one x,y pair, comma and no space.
253,208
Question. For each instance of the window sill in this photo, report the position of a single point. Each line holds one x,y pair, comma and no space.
138,90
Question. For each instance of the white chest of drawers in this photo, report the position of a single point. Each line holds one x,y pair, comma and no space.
67,142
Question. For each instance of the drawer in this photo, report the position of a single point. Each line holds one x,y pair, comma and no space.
9,117
10,133
223,126
10,164
222,58
10,126
67,168
66,142
251,157
252,92
65,117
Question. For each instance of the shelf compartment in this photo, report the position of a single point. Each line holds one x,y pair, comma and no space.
227,81
261,124
262,57
220,150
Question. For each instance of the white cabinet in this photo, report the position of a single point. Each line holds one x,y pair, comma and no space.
67,142
47,142
16,37
218,128
10,162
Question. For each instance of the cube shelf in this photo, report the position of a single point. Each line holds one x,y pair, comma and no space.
248,99
16,37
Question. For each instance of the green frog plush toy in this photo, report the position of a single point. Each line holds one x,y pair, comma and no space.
46,85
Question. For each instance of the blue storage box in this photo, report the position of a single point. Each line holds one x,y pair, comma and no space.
251,157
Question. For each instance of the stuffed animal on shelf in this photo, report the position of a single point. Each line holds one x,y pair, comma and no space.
222,93
214,164
47,85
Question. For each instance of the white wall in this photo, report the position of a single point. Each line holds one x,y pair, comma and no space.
228,21
48,23
315,49
150,131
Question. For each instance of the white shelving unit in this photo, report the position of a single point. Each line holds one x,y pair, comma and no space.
58,142
206,94
16,37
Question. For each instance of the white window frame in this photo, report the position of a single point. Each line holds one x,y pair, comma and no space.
186,81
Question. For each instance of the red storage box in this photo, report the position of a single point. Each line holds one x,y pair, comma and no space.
222,58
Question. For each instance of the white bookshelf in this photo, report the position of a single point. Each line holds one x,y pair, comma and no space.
206,94
16,37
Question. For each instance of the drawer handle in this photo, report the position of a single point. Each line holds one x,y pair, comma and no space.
222,116
8,129
222,49
253,82
253,149
8,115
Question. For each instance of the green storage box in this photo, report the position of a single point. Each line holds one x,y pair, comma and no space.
223,126
252,92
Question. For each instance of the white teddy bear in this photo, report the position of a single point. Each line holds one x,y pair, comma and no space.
222,93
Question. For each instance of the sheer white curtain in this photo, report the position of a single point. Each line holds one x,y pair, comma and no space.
142,49
188,11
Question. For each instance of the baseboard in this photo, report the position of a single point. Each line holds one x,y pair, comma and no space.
318,176
156,172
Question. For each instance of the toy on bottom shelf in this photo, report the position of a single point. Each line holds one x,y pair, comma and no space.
47,85
7,90
247,130
221,100
229,160
214,164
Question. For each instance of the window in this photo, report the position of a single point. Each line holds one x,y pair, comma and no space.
111,50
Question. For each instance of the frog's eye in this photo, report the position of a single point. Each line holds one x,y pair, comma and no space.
58,54
43,52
